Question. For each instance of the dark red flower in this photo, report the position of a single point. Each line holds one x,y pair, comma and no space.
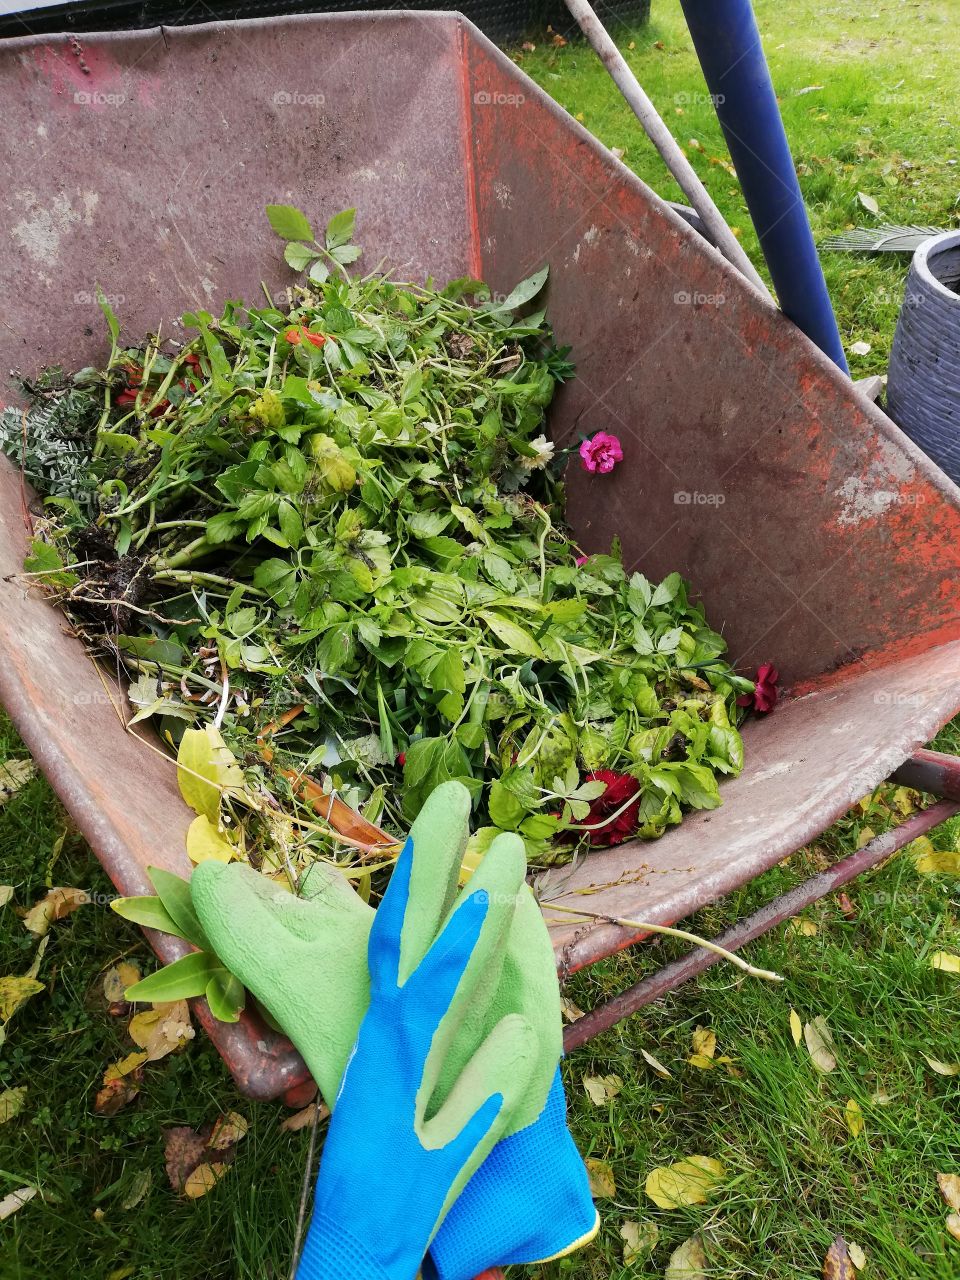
765,695
402,759
622,790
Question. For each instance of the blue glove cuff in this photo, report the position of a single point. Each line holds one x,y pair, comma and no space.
331,1253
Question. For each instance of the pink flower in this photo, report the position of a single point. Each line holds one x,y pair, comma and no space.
601,452
765,695
581,561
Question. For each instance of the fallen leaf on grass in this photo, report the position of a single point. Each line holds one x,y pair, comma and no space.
203,1179
819,1044
121,1084
6,894
868,202
162,1029
687,1262
802,928
15,992
953,1225
945,961
571,1011
601,1089
56,905
15,1200
117,979
11,1102
942,1068
603,1185
796,1027
14,774
865,835
657,1065
857,1256
704,1046
689,1181
301,1119
847,909
187,1154
837,1264
140,1185
639,1239
929,861
854,1117
860,348
949,1184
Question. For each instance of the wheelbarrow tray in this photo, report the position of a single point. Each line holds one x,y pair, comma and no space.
818,536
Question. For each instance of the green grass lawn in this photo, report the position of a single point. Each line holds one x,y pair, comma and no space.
883,122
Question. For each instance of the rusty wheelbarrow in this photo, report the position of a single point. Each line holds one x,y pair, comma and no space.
820,538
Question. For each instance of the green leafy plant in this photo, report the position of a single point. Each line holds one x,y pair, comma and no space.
326,540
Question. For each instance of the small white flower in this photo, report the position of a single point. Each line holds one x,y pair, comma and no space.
544,448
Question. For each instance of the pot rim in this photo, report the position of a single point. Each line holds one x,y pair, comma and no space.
930,249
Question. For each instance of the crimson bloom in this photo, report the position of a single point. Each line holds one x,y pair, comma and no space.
623,789
765,695
601,452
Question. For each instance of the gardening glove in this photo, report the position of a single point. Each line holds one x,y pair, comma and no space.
304,960
393,1162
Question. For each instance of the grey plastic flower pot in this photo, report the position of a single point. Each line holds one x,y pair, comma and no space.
923,391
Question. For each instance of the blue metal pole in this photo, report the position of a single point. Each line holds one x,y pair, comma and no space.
728,45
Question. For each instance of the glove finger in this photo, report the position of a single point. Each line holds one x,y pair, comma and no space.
466,958
477,1113
439,836
383,952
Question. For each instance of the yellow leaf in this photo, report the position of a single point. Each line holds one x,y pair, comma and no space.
953,1225
819,1043
949,1184
905,800
687,1262
16,1200
942,1068
945,961
203,1179
205,842
934,862
11,1102
802,928
854,1117
837,1265
639,1239
689,1181
601,1089
162,1029
14,774
866,835
571,1011
14,992
127,1065
602,1182
703,1043
228,1130
300,1119
658,1066
796,1026
856,1255
57,904
118,978
205,767
6,893
701,1062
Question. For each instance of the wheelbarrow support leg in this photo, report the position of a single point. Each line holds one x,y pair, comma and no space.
728,45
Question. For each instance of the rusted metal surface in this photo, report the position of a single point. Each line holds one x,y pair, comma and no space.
818,535
768,917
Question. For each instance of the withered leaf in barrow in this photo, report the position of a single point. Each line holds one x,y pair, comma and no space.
837,1264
